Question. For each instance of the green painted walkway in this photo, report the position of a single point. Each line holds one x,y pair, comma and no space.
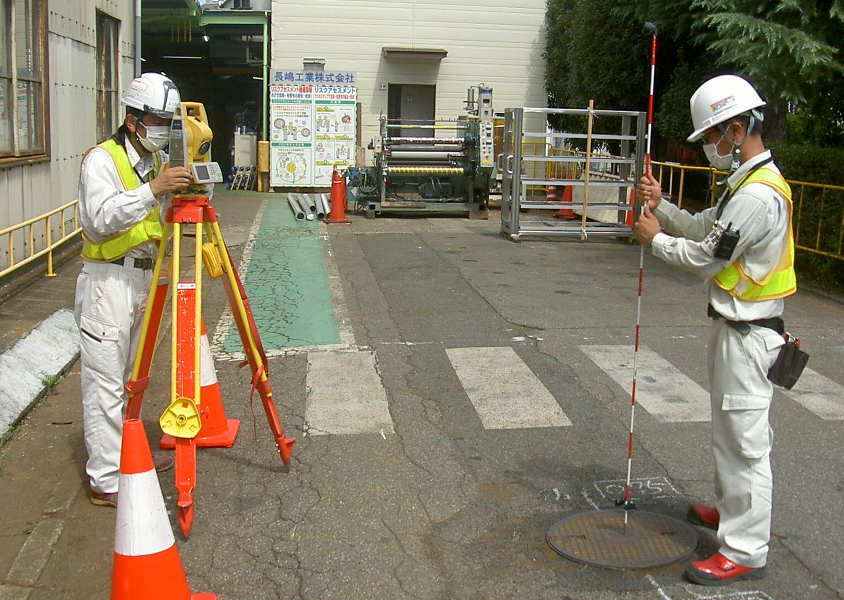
287,284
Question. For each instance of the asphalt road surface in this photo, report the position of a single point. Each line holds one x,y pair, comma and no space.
453,395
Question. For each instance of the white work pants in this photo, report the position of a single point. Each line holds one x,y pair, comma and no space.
109,308
742,438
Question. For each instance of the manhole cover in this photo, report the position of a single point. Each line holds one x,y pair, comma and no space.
601,538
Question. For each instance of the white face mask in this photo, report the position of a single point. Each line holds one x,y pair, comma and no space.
720,162
157,137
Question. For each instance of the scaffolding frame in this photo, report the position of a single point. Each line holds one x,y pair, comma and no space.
520,173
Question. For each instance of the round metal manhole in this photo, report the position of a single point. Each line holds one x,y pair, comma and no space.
601,538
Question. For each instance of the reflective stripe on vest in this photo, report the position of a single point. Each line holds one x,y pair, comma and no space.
781,281
150,228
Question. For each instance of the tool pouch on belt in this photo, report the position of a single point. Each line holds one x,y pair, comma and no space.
789,365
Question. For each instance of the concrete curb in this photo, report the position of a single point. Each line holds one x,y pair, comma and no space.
28,368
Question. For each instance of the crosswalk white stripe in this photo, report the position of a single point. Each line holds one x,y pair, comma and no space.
504,391
345,395
818,394
661,388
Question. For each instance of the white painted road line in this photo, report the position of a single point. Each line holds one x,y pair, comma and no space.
504,391
818,394
661,388
345,395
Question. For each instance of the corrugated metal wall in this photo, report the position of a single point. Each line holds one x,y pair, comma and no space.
28,191
495,42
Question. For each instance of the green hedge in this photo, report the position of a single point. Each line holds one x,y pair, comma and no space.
819,214
809,163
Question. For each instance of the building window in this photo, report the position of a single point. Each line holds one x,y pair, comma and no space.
107,46
23,118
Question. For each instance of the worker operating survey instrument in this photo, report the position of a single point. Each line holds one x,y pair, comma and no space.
189,421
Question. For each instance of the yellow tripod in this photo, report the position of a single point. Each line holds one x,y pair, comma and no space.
183,419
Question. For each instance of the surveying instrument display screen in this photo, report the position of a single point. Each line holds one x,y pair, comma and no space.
206,172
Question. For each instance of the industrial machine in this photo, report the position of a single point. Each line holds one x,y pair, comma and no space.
430,166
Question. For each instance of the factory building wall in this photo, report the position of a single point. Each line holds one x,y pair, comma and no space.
498,43
28,190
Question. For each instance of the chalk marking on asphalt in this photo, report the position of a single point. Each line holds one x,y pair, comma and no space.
504,391
661,388
589,500
749,595
818,394
35,552
641,487
658,588
345,395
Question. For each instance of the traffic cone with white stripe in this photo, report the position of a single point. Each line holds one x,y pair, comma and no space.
217,431
146,560
337,199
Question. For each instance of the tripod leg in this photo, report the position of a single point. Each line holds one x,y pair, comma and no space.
185,383
139,381
185,482
251,345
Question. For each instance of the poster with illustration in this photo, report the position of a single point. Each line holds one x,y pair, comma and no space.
312,126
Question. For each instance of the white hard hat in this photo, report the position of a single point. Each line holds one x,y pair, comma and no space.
720,99
153,93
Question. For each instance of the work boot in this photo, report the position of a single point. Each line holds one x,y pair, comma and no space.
104,499
705,516
719,570
162,462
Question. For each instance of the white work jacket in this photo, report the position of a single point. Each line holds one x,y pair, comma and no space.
105,207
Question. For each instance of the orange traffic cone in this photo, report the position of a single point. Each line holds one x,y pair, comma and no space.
337,199
217,431
566,214
631,200
551,194
146,560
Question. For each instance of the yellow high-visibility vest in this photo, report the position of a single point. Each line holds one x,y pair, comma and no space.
782,280
150,228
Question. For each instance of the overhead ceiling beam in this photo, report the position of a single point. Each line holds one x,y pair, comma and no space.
215,17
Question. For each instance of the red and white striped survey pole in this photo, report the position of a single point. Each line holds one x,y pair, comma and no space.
628,505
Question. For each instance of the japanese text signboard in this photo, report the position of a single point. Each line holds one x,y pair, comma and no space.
312,126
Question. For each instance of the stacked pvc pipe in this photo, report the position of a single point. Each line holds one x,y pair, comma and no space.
294,206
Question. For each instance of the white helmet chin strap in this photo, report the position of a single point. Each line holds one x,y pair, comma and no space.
736,151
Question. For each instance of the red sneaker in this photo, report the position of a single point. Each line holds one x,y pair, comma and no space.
101,499
718,570
705,516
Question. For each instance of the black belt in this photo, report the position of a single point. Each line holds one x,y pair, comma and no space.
139,263
743,327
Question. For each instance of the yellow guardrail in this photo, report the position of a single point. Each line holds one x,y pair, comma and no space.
817,227
29,229
818,219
